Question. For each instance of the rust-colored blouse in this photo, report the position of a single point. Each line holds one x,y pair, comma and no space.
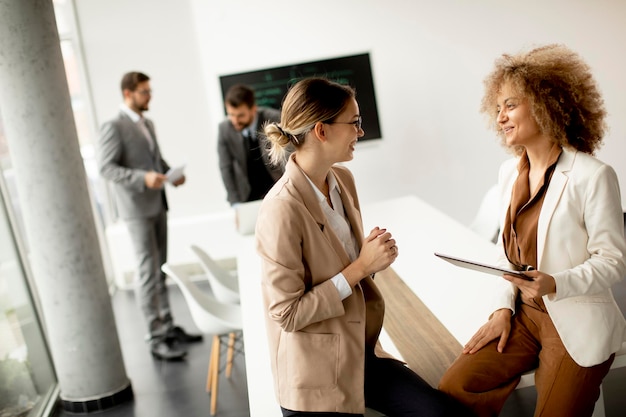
520,226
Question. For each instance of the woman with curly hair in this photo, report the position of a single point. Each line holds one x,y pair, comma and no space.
323,310
562,222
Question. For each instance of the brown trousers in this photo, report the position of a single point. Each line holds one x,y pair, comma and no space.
484,380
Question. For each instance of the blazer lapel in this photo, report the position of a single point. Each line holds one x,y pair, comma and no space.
239,149
553,195
138,137
312,204
156,154
354,215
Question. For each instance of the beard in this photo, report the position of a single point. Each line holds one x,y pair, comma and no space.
241,126
141,106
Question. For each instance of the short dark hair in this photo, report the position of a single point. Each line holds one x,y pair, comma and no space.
240,94
130,80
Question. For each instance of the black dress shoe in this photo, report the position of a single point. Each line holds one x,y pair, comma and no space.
177,334
163,351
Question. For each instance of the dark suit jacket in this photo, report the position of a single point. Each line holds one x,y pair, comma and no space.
124,157
233,154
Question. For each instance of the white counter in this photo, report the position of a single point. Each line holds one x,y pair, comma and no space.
460,298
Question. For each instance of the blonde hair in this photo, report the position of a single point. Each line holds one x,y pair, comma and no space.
562,94
307,102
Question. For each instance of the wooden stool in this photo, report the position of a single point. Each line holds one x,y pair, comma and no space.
214,365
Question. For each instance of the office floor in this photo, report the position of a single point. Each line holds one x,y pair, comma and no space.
172,389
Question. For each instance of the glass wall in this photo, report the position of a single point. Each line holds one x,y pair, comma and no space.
27,379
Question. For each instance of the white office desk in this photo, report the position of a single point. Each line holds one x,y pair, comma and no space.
460,298
258,371
453,294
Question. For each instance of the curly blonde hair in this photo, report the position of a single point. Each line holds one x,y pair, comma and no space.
563,96
307,102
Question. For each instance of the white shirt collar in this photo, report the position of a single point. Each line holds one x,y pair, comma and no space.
135,117
336,216
332,185
251,129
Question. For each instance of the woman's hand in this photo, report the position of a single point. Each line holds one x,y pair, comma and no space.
379,251
499,325
540,285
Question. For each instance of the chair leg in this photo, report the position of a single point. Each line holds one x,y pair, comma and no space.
216,371
229,357
208,374
212,366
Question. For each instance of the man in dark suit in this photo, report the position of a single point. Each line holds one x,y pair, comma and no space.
128,155
243,156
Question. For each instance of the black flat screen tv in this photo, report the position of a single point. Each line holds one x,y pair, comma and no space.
271,84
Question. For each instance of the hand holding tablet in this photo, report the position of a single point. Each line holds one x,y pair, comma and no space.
174,174
477,266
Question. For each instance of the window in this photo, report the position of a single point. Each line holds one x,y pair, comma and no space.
81,105
27,379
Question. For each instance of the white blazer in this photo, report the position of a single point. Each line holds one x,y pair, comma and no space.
580,242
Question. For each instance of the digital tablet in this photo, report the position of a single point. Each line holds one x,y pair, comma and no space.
477,266
174,174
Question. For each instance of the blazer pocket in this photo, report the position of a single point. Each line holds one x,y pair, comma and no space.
312,360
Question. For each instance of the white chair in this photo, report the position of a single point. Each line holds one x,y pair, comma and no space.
212,317
486,221
225,287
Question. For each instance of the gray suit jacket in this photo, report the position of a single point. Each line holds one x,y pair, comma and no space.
124,157
232,154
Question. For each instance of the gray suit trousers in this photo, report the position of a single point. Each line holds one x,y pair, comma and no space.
149,237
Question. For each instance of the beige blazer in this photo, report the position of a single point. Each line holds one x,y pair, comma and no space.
580,242
316,340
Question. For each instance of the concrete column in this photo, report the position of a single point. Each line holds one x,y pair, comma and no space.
52,187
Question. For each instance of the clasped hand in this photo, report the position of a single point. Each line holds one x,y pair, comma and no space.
379,250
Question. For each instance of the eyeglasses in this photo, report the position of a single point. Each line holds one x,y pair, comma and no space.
357,123
144,92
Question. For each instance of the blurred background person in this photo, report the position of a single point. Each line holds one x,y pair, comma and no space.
129,156
241,146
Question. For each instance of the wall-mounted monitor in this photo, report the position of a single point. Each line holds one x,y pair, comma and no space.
271,84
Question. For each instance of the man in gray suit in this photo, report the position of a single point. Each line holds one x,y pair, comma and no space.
128,155
241,147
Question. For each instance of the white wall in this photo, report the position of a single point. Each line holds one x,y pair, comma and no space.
428,57
156,37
